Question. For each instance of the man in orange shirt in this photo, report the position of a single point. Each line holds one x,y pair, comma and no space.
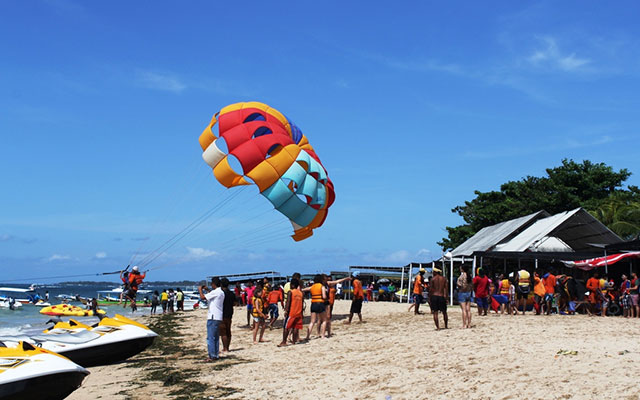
418,290
358,297
549,281
593,285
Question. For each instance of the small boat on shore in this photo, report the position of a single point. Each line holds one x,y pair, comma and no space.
29,372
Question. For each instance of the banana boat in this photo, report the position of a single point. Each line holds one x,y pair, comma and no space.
67,310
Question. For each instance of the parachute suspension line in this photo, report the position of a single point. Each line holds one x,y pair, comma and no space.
190,228
195,222
235,239
187,189
237,205
273,236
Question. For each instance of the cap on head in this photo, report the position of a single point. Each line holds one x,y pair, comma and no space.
356,274
422,270
436,269
135,268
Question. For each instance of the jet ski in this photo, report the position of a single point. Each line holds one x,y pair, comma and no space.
110,340
28,372
11,305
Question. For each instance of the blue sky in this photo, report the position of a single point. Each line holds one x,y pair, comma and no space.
411,107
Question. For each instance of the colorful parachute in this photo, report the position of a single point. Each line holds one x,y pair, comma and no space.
276,156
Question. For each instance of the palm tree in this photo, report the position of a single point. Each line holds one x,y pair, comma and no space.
620,215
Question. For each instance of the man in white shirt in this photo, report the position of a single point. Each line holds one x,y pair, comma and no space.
214,316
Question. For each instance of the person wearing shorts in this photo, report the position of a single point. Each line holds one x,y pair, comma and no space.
418,289
438,303
358,297
523,288
319,296
481,288
465,289
258,315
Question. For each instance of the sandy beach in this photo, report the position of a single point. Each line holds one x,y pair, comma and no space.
393,355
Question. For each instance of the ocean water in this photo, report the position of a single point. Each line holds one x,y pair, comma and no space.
27,319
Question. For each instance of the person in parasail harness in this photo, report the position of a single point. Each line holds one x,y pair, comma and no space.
134,280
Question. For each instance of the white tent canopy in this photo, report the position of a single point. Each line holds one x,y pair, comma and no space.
489,237
574,230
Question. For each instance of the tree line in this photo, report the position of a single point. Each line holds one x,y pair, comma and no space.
596,187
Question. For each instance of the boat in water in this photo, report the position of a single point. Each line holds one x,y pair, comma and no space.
29,372
21,295
110,340
112,297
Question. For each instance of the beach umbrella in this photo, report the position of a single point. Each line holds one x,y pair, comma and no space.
383,280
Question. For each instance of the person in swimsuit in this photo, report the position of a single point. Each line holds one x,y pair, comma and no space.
439,296
358,297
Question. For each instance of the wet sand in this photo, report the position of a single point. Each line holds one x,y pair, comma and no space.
394,354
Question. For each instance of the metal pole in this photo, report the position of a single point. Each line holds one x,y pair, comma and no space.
451,283
401,283
409,282
474,267
606,264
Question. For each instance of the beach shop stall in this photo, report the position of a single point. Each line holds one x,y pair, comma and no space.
537,240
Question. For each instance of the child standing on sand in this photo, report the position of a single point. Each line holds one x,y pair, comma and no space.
258,314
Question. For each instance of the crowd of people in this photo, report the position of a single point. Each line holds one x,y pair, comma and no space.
263,301
541,292
169,300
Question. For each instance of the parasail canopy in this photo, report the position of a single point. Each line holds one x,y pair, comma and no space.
274,155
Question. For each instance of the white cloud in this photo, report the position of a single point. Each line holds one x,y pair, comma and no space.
159,81
58,257
551,56
423,253
254,256
198,253
101,254
398,257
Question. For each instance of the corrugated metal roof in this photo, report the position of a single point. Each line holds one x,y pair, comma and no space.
576,228
490,236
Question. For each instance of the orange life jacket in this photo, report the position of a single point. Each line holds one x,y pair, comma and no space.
316,293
